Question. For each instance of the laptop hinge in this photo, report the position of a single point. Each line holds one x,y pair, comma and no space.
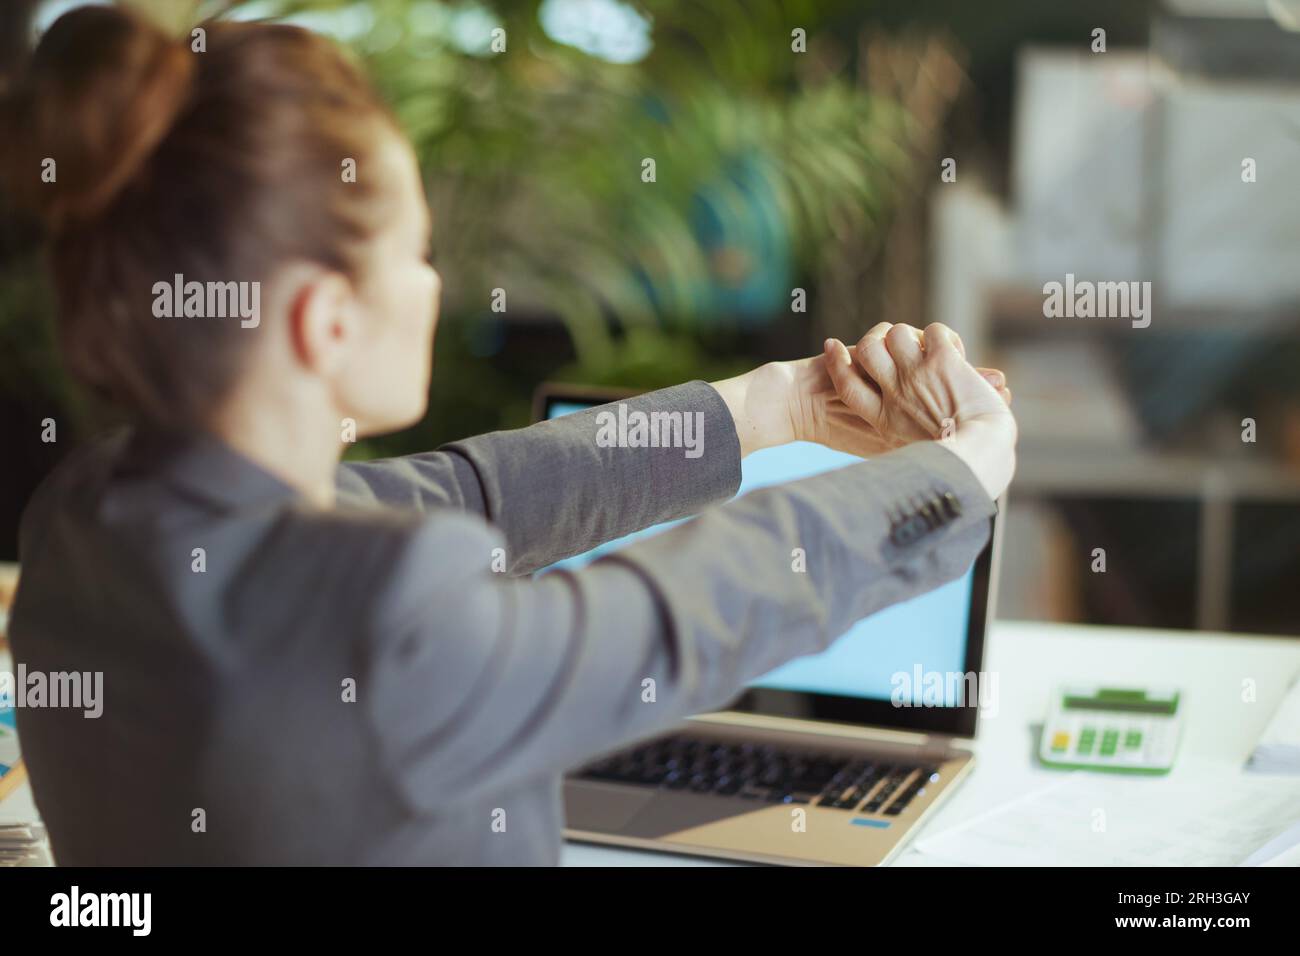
936,749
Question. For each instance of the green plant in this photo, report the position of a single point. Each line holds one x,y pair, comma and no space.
767,161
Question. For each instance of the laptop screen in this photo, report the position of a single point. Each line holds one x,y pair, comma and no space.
883,657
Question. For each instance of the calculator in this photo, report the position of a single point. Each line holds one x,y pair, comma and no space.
1109,728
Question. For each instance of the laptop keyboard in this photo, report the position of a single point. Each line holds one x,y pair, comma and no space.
766,773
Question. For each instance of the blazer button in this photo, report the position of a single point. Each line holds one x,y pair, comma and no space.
907,532
935,512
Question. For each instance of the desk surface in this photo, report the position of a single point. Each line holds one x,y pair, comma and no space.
1029,659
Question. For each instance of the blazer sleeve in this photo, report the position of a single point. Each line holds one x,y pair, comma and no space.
480,681
554,490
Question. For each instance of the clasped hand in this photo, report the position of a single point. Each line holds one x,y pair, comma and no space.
895,386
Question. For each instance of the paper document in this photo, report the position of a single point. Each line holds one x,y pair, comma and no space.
1096,820
1278,749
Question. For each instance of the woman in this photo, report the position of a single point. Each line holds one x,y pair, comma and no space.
308,662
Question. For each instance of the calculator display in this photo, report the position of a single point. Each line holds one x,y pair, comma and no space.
1122,704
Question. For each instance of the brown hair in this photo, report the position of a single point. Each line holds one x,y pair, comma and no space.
217,165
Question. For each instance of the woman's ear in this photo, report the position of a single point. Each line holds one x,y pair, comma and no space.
324,320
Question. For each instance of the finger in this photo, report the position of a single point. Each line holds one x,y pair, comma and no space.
857,394
904,344
939,338
877,331
995,377
916,333
874,358
1006,395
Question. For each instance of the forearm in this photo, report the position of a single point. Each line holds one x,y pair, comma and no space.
562,487
783,571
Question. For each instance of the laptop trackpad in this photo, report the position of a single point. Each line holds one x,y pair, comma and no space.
594,807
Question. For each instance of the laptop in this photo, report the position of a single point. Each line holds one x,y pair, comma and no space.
833,758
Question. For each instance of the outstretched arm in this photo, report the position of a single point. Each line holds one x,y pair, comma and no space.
480,681
560,488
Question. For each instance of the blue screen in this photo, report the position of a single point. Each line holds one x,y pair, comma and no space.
927,633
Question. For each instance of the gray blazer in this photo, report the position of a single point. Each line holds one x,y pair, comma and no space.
366,685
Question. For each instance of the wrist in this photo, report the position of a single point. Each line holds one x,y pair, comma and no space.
987,445
761,402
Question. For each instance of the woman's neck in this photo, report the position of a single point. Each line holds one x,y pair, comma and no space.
298,442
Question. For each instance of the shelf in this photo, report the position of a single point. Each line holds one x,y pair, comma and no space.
1018,310
1115,472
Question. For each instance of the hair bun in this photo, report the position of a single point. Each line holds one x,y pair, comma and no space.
101,91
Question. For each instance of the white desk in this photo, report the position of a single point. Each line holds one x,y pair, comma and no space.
1029,659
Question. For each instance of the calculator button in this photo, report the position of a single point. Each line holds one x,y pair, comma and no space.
1060,741
1133,739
